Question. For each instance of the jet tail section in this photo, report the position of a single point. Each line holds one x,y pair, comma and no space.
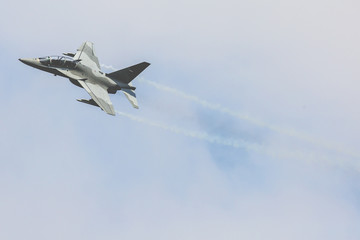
126,75
123,78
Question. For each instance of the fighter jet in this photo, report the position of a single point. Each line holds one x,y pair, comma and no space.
83,70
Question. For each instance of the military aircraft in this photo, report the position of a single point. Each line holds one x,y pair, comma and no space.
83,69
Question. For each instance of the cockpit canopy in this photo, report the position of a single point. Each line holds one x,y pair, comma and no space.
58,61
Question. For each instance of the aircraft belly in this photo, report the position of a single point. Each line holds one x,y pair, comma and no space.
71,74
102,81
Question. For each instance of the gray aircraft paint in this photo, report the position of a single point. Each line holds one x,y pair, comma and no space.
83,70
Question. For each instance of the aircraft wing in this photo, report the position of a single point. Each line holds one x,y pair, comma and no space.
87,55
100,95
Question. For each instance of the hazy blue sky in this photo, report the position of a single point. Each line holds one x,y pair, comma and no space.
268,148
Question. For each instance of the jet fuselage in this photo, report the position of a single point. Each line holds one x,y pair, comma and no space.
75,71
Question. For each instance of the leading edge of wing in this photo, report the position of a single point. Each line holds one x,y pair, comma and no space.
100,96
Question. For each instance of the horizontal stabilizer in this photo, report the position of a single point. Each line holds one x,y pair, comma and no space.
131,96
126,75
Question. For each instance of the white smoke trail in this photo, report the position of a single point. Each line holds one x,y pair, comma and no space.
236,143
271,150
217,107
108,67
222,109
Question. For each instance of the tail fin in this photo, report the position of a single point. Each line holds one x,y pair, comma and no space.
126,75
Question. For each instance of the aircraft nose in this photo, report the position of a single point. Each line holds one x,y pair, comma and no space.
27,61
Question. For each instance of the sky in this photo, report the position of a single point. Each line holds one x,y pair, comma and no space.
247,127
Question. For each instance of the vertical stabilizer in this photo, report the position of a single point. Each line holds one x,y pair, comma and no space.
126,75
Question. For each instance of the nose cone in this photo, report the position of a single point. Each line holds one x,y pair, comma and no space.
28,61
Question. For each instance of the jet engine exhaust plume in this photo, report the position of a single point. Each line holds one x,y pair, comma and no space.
277,152
287,132
235,143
